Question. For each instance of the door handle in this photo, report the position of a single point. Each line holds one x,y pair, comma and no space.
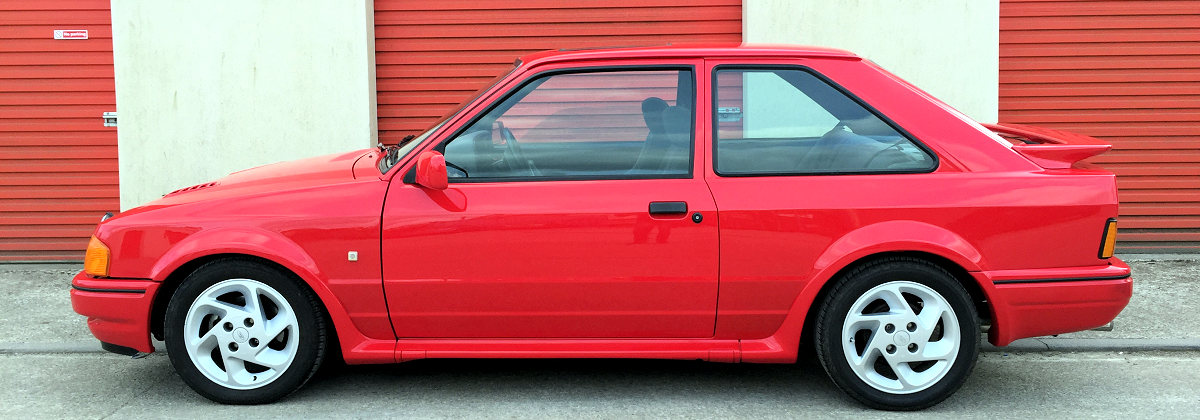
667,207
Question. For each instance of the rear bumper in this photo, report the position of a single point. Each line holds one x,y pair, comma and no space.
1031,303
117,311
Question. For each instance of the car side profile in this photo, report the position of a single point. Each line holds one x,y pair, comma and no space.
720,203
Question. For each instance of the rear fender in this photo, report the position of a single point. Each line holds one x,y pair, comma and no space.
898,235
885,237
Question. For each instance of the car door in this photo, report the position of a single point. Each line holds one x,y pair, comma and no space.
574,210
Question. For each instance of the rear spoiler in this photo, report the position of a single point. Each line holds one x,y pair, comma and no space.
1050,149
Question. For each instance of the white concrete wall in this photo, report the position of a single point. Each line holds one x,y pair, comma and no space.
949,48
208,87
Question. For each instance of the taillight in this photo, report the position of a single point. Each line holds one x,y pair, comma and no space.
95,261
1109,242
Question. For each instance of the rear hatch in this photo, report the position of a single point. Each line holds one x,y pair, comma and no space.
1050,149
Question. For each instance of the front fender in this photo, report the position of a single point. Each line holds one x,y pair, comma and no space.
247,241
274,247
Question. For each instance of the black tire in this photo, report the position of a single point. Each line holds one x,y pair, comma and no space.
835,309
310,329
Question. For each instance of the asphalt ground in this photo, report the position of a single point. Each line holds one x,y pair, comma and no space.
1154,385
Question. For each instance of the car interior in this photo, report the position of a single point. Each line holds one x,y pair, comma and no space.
567,146
858,142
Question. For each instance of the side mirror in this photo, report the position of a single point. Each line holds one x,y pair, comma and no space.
431,170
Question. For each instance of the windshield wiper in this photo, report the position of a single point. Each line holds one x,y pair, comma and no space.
393,152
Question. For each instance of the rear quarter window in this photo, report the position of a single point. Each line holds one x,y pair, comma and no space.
789,121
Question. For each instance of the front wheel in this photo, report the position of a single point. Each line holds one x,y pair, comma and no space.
238,332
898,334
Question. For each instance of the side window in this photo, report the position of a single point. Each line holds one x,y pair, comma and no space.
784,121
593,125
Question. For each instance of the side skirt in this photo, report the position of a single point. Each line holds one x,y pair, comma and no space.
713,350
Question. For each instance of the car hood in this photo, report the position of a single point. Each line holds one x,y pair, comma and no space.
318,169
303,173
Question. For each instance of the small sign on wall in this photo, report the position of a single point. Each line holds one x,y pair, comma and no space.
70,34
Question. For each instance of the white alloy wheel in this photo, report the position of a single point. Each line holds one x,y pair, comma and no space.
901,337
241,334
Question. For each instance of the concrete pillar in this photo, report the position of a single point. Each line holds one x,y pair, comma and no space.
208,87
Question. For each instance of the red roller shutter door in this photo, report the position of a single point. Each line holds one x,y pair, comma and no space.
58,164
1127,72
432,55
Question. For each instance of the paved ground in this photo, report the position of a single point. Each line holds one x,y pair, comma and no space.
1165,303
37,304
1032,385
51,367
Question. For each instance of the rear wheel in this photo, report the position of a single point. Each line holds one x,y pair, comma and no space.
898,334
239,332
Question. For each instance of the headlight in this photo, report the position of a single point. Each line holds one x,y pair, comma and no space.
95,261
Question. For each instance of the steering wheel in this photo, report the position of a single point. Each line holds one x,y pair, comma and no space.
514,150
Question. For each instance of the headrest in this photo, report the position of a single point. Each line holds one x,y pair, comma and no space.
652,108
869,125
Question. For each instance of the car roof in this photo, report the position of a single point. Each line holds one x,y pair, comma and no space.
713,50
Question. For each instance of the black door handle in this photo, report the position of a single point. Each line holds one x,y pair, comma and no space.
668,207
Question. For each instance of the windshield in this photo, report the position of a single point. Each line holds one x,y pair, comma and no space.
396,153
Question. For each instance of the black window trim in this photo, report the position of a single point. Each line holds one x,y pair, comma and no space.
410,176
715,124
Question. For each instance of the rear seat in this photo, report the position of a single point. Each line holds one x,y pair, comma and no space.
837,151
840,150
761,155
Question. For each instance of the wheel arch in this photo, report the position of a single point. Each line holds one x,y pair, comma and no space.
978,295
880,240
173,280
274,251
158,308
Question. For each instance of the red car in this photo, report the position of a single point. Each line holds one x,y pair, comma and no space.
725,204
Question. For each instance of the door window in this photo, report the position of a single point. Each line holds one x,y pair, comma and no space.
788,121
582,125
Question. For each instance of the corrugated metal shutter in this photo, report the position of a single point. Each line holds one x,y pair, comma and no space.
590,107
58,164
431,55
1127,72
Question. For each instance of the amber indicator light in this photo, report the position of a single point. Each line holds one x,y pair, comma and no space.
1109,242
95,261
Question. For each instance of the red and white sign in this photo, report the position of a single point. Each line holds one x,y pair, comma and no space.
70,34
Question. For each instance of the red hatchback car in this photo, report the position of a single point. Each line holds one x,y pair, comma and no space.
723,204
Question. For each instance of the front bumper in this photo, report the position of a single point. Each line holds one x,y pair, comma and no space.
1031,303
117,311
